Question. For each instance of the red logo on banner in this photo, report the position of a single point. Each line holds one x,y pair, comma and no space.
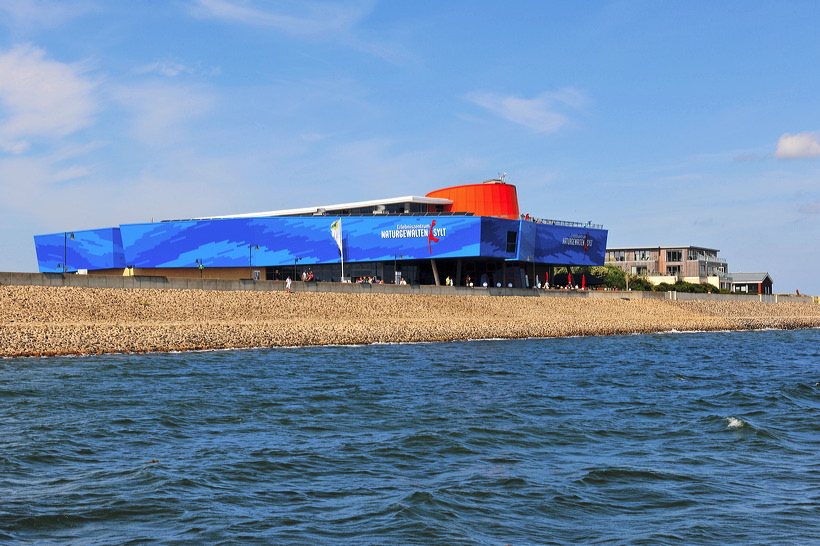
430,238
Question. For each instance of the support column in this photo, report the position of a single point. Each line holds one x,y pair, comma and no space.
435,271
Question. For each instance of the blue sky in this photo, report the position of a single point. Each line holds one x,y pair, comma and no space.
688,123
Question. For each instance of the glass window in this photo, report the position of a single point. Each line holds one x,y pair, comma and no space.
674,255
512,240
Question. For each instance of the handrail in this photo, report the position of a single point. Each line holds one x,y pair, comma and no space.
563,222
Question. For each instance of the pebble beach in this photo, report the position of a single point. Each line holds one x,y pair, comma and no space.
50,321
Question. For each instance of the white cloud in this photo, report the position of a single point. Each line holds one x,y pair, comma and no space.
172,69
39,187
161,111
310,19
541,113
810,208
798,146
41,99
307,19
27,14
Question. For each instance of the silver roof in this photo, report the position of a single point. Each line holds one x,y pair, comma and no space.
749,277
343,206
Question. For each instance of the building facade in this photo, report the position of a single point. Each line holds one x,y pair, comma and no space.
752,283
472,234
670,264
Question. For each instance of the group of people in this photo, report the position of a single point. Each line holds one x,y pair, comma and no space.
546,286
449,281
529,218
307,276
376,280
369,280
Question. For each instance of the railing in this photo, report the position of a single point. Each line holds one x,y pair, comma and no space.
655,259
563,223
707,259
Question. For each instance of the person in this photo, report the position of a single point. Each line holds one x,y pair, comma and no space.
403,281
288,282
304,276
277,276
448,281
310,275
468,282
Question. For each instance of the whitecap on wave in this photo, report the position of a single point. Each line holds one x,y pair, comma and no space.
734,422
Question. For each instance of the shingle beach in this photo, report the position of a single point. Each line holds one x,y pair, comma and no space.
47,321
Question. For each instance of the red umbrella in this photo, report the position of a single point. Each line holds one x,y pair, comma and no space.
583,282
569,279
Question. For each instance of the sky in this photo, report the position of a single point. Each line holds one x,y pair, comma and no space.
670,123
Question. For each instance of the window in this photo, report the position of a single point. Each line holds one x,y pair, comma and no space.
512,240
674,255
618,256
642,255
639,270
673,270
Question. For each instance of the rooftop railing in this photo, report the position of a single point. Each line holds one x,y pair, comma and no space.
563,222
707,259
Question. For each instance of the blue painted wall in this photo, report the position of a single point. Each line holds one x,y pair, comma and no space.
89,249
241,242
233,242
563,245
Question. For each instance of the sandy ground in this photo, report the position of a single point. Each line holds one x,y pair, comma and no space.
44,321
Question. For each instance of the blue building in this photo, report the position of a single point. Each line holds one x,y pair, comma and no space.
471,233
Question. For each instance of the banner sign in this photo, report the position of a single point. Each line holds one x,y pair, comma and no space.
279,241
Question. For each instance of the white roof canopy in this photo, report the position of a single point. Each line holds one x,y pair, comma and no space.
329,209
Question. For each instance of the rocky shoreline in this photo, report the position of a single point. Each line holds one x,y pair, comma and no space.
50,321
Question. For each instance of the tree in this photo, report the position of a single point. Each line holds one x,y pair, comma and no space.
610,275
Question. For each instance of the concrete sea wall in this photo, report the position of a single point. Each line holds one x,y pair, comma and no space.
176,283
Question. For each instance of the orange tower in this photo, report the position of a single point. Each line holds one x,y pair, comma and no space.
491,198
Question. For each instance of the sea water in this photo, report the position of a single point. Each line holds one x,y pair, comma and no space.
675,438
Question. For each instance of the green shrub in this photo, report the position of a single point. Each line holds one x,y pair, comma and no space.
639,283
